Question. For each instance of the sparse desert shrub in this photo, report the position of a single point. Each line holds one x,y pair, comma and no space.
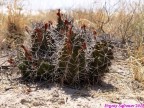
137,64
65,54
15,23
138,70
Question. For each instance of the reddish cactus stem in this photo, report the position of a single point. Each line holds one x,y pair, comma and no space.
84,27
59,14
69,46
39,32
68,42
29,58
84,46
27,30
46,26
94,33
50,23
11,61
27,53
66,22
24,48
70,30
69,33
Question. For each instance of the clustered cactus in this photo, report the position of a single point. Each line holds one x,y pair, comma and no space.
65,54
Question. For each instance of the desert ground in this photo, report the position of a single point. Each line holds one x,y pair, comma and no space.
85,38
118,88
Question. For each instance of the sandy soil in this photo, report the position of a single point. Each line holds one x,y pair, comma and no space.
118,88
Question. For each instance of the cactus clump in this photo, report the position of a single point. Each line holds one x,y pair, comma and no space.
37,63
101,60
66,54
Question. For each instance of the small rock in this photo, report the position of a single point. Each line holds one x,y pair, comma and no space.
116,101
38,103
23,101
61,101
6,89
